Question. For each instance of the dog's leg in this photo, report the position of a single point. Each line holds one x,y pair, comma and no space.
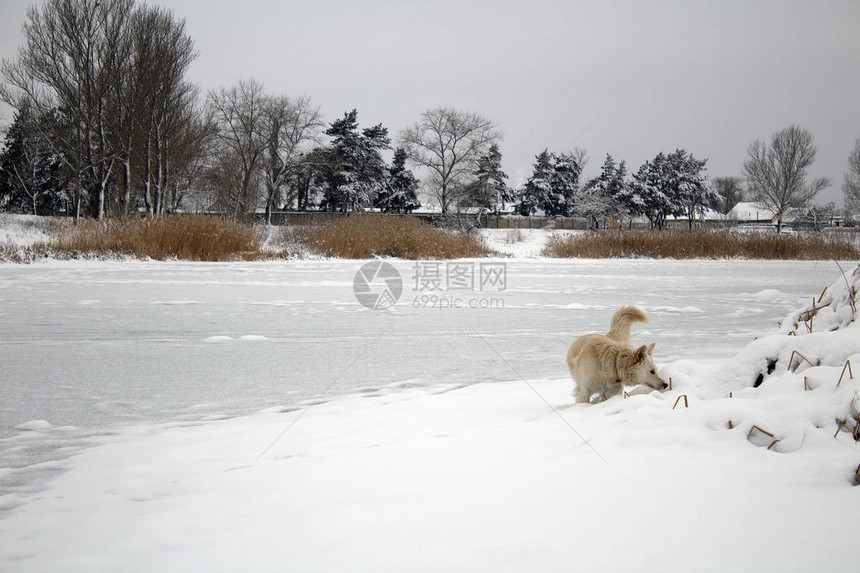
609,390
581,394
613,389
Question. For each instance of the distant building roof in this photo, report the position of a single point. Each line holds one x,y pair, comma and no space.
750,211
745,211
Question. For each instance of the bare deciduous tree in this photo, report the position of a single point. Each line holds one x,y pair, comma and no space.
112,75
180,144
727,193
447,143
288,124
261,139
238,116
777,172
161,105
74,51
851,183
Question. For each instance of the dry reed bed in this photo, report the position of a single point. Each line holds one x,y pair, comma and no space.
698,245
10,253
361,236
184,237
367,235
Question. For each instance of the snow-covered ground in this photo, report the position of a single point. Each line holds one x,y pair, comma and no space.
255,417
520,243
26,230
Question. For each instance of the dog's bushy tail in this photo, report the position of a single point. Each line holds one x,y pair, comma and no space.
619,328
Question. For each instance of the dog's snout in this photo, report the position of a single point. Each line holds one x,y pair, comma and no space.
665,386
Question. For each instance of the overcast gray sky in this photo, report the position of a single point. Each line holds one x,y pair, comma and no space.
709,77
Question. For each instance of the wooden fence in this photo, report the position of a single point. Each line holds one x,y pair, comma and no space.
513,222
283,218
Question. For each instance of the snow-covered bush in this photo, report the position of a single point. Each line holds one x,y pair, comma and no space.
793,391
835,308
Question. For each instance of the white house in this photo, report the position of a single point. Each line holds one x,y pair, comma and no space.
750,212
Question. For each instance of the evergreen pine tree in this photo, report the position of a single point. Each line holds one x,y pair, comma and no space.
489,191
398,195
552,186
564,185
670,185
600,198
31,175
358,170
648,194
691,192
535,195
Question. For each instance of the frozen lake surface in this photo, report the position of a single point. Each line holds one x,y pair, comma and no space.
89,346
94,344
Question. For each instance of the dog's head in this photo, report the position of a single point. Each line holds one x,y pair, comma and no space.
644,369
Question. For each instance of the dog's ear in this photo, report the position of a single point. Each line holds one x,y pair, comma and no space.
651,348
641,353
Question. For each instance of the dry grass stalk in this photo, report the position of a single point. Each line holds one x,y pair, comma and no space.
758,429
842,425
853,293
791,360
808,321
850,373
686,402
805,383
773,439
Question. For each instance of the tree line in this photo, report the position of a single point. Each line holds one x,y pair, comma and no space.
107,124
103,107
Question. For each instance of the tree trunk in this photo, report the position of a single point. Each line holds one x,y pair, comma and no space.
159,175
147,184
126,198
101,208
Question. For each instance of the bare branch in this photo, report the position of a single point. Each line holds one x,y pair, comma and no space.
777,173
448,144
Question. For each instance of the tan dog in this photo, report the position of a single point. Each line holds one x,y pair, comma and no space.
605,364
